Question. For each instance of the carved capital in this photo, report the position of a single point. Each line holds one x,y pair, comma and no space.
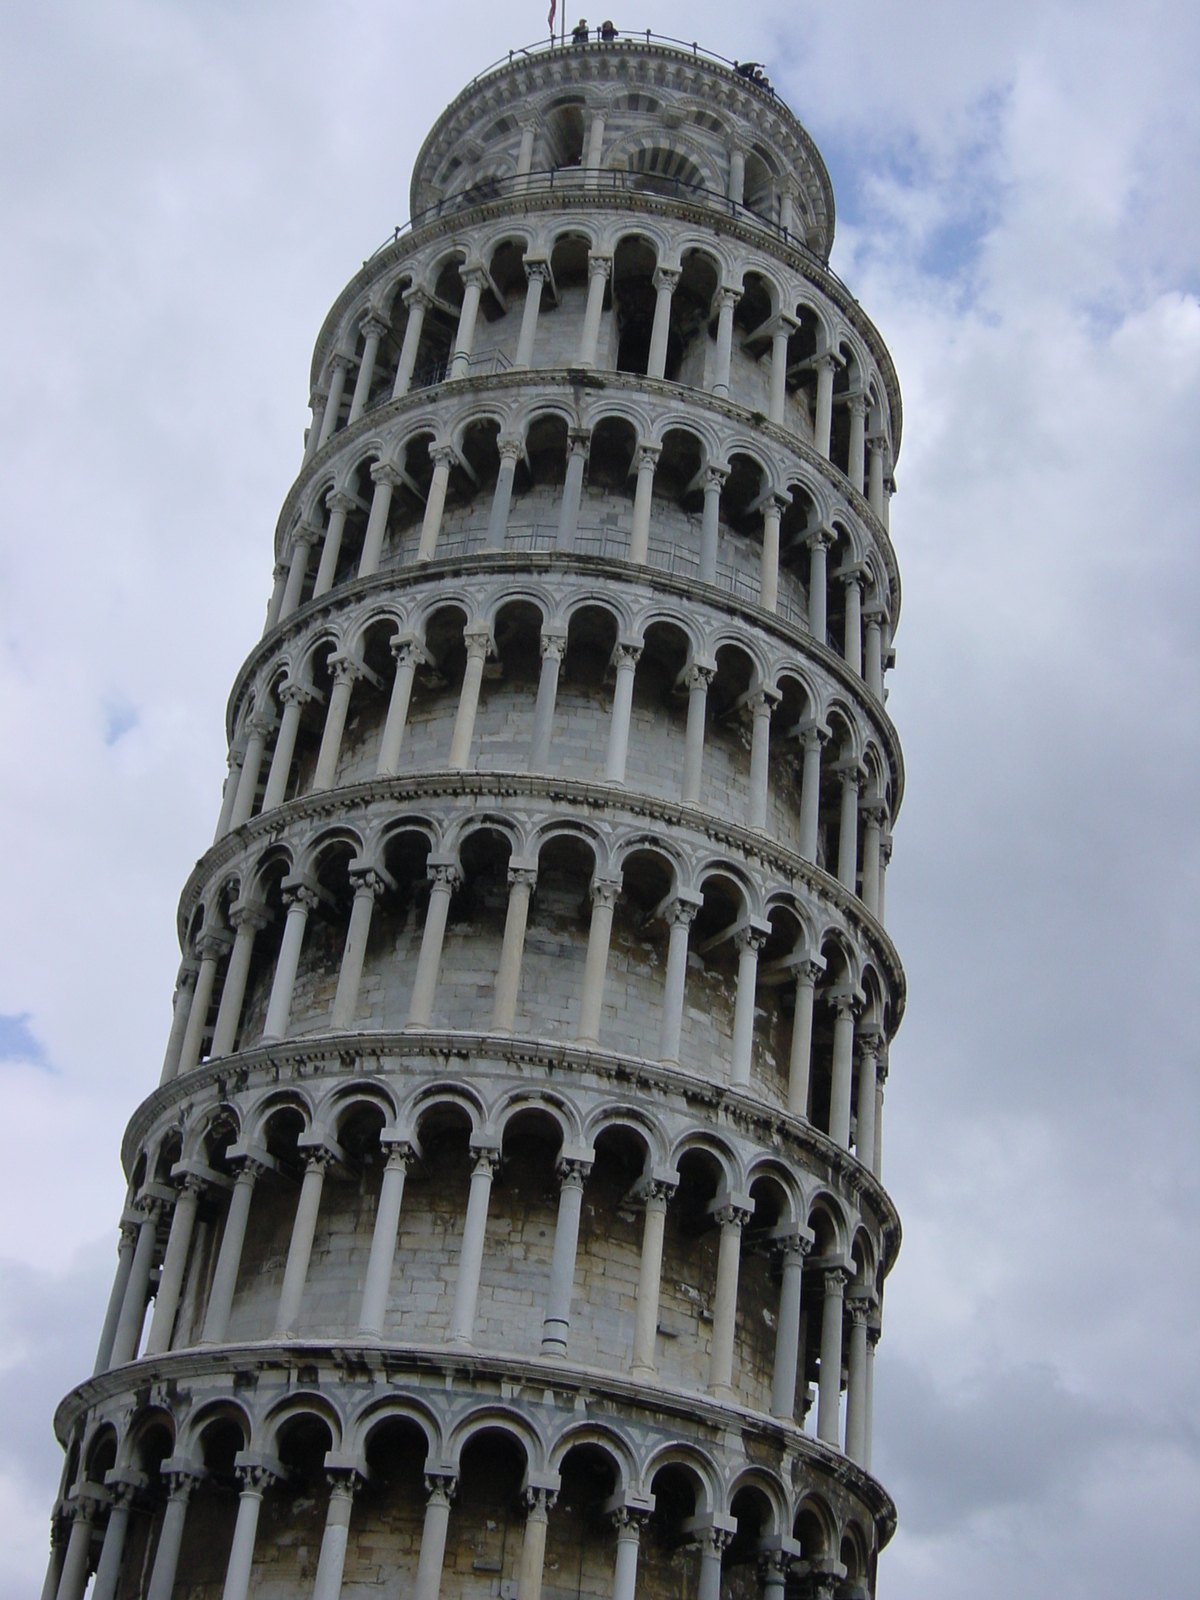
599,266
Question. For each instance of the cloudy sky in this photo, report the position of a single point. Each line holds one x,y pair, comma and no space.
185,187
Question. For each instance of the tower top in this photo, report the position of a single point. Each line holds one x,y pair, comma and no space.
672,114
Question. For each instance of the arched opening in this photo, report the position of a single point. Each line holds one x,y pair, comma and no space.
397,922
634,299
584,703
693,320
504,723
560,915
563,135
475,931
389,1508
711,991
212,1509
581,1541
292,1519
610,1244
689,1273
538,484
659,719
669,1562
435,692
421,1294
487,1520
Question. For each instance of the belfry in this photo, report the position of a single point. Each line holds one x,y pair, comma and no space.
508,1223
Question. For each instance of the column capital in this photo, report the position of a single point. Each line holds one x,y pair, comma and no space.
821,538
630,1521
340,500
731,1213
340,360
764,697
347,669
295,693
753,934
795,1246
539,1501
369,880
374,326
646,454
658,1191
572,1171
346,1474
858,1309
524,873
408,650
213,943
553,640
729,294
305,534
579,441
256,1473
441,1486
441,454
626,653
300,892
536,267
699,674
599,266
511,446
487,1158
836,1277
417,295
474,274
605,888
444,874
867,1042
846,1002
478,640
181,1476
714,477
809,969
385,472
249,914
850,773
874,811
666,278
261,723
682,907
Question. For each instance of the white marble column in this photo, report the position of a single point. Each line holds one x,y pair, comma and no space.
800,1059
727,299
108,1572
258,729
511,450
599,272
133,1306
605,889
478,640
787,1328
185,987
211,946
418,302
383,1242
868,1052
248,917
885,855
441,1488
444,877
818,543
645,460
843,1070
317,402
629,1524
812,738
74,1575
182,1479
295,696
233,761
873,651
697,676
768,581
873,1333
408,653
304,1226
645,1327
522,879
737,175
170,1281
578,444
710,523
626,655
881,1072
368,885
386,480
279,573
301,899
749,941
823,416
779,351
537,275
126,1244
373,330
856,1384
762,702
730,1219
229,1257
830,1385
331,1562
713,1543
595,148
346,673
877,453
435,502
847,866
254,1478
858,414
474,281
470,1257
525,153
553,645
538,1502
851,577
333,403
572,1174
665,279
874,814
680,915
302,543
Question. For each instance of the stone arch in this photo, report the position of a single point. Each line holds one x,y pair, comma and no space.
302,1405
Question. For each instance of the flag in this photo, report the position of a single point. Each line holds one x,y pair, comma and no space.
550,19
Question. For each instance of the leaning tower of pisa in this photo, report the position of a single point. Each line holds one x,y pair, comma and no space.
508,1221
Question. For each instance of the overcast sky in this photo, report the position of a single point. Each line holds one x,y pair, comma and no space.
185,188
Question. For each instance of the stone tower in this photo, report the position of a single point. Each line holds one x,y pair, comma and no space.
508,1220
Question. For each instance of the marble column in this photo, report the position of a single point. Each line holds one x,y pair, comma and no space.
331,1562
737,176
133,1307
185,987
533,1547
830,1385
727,299
877,466
170,1281
858,414
418,302
852,627
408,653
537,275
302,543
248,917
74,1575
228,793
254,1480
108,1572
181,1479
697,676
346,673
387,479
511,450
868,1051
522,879
258,727
749,941
629,1534
768,581
843,1070
812,738
713,1543
304,1226
710,525
599,272
800,1059
478,640
578,443
556,1323
441,1488
818,543
279,573
847,866
645,459
762,702
873,1333
470,1257
127,1243
881,1072
553,645
369,884
605,890
778,389
626,654
295,696
595,148
474,281
373,330
680,914
435,502
823,414
787,1328
873,651
665,280
383,1242
229,1257
211,946
444,878
645,1327
856,1384
333,404
301,899
730,1219
874,814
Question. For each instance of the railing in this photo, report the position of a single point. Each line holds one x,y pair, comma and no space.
595,182
737,570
